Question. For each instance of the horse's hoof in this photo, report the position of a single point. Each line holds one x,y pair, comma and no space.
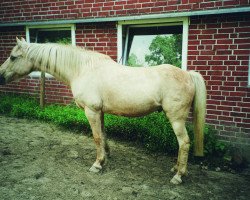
95,169
176,180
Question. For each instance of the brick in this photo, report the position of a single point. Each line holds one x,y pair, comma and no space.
214,112
169,8
242,52
244,46
231,83
207,52
207,5
243,35
205,57
230,3
220,36
220,47
184,7
236,62
217,62
240,94
233,98
200,62
225,118
205,37
194,31
227,41
230,24
226,30
212,121
212,26
239,41
218,67
242,29
224,52
240,73
238,114
220,57
208,41
173,2
192,48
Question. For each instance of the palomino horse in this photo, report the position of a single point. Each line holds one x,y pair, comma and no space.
100,85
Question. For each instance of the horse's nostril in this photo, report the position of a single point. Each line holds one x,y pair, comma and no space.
2,80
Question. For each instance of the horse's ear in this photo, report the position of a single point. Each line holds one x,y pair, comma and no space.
23,40
19,43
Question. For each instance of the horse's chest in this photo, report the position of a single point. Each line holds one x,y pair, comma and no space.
87,96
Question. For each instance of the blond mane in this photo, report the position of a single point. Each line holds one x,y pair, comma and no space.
62,59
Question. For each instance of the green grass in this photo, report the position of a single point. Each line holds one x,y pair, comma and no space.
153,132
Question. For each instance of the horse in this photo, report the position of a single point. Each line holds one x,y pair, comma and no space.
100,85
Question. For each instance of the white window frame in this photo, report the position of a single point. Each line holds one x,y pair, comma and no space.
249,71
56,27
184,21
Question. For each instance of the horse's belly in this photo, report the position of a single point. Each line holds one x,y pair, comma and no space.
133,113
131,108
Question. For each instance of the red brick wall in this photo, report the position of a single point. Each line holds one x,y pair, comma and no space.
30,10
219,48
101,37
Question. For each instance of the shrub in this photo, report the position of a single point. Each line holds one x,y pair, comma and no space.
153,131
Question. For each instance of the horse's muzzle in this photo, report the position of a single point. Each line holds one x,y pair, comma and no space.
2,80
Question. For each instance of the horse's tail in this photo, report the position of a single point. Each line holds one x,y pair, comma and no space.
199,111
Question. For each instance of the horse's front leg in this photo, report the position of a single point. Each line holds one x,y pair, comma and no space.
96,121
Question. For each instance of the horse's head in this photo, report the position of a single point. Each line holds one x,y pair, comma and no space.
17,65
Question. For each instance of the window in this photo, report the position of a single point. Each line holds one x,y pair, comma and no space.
54,33
139,42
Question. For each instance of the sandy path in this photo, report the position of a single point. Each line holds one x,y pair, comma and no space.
41,161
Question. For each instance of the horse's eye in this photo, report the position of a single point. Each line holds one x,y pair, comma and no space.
12,58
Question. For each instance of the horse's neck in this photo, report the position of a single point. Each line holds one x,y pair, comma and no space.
66,63
57,74
51,63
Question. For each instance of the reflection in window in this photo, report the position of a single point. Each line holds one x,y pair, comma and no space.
154,45
50,36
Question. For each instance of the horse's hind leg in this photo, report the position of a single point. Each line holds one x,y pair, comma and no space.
96,120
106,146
184,143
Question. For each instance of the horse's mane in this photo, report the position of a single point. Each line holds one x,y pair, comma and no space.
62,59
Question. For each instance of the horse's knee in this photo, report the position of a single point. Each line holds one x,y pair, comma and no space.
185,145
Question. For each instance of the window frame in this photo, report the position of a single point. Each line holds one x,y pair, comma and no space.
55,27
249,71
184,21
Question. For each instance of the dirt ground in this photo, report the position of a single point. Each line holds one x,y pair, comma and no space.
41,161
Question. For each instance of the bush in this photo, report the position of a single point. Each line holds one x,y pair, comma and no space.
153,132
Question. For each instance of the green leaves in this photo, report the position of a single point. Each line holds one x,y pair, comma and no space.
133,61
165,50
